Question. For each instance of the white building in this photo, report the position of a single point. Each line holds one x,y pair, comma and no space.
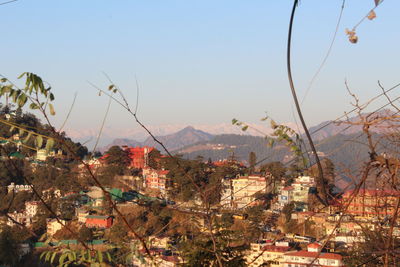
17,218
31,208
313,257
53,226
18,188
286,195
41,155
267,253
245,189
301,187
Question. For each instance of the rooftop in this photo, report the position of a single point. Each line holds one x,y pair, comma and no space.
307,254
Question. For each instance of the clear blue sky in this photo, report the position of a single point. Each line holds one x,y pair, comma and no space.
202,61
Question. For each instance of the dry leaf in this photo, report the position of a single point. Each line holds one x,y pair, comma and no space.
353,39
371,15
352,36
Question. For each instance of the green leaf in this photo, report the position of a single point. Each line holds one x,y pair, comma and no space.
244,128
27,138
42,254
22,75
3,80
70,256
39,141
33,106
234,121
52,112
271,142
100,256
108,257
62,259
89,256
51,97
22,100
48,254
111,87
49,144
53,257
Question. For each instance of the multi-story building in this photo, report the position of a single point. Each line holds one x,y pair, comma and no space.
139,156
370,203
313,257
156,179
31,208
301,188
246,188
286,195
261,254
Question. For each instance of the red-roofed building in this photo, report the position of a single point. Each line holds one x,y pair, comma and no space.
98,221
139,156
371,203
266,254
314,247
313,257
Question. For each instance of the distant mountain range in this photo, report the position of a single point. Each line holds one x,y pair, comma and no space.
340,142
346,127
138,134
172,142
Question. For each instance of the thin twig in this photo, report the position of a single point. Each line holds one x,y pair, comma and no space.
293,90
102,125
326,56
69,112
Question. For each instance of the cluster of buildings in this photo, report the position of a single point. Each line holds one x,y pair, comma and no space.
297,192
244,191
281,254
26,217
363,209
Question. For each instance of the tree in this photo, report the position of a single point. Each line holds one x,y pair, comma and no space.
154,160
252,162
276,169
117,156
85,234
9,254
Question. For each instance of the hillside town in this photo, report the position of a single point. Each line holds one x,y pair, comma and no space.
284,223
199,134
